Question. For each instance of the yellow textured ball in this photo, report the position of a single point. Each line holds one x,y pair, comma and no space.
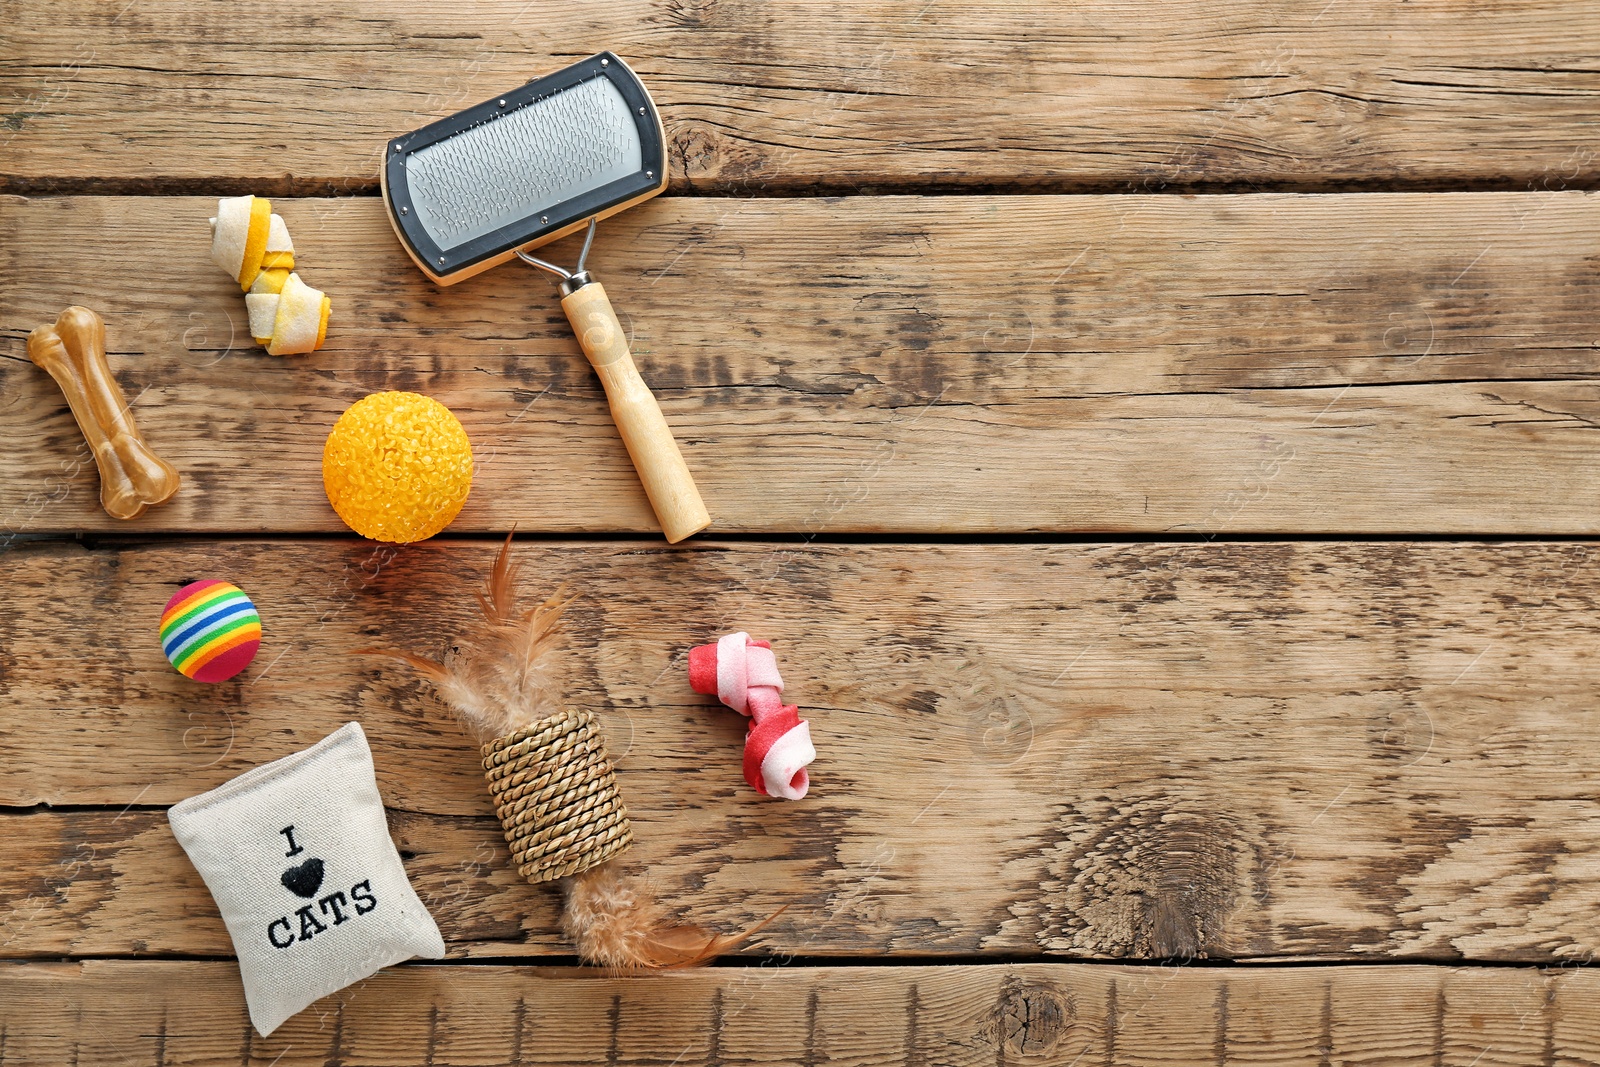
397,467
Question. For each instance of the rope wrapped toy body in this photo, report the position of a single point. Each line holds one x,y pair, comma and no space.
554,788
743,673
556,795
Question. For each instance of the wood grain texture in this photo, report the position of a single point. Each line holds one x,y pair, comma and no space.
1259,750
159,96
1032,755
1413,363
168,1013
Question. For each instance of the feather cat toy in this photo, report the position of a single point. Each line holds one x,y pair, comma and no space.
554,788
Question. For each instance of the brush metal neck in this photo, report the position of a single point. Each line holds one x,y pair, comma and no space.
573,282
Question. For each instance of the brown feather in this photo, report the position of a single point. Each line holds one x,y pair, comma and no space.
616,921
497,599
498,682
422,664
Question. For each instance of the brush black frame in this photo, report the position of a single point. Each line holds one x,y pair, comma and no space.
519,234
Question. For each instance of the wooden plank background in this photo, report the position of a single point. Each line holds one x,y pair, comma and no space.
1408,363
958,1015
1156,437
852,97
1289,750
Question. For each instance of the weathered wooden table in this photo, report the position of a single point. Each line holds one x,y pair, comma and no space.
1158,438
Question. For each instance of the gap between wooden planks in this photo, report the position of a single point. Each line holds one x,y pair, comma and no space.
174,96
170,1012
1230,750
1411,363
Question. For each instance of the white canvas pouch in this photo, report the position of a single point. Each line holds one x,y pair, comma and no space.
297,855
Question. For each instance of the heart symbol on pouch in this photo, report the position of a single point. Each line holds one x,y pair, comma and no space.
304,880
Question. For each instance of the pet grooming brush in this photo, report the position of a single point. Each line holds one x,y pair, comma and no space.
520,170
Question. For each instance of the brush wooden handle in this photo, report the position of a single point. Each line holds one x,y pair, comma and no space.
73,351
645,431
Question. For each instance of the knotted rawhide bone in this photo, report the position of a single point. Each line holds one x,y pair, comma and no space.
252,244
73,351
743,674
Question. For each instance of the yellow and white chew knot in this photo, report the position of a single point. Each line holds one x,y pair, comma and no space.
251,243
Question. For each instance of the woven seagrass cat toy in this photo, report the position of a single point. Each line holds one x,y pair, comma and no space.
554,787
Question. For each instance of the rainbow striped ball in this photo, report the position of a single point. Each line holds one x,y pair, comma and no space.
210,630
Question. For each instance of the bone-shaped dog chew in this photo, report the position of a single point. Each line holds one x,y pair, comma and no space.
250,242
73,351
743,673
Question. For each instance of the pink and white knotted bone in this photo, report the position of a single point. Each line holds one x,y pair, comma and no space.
743,674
